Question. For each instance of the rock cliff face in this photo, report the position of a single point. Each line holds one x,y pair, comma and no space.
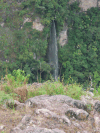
63,39
36,23
86,4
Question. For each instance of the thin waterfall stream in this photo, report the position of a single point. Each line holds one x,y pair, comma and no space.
53,51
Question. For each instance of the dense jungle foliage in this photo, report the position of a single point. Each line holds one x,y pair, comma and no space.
26,48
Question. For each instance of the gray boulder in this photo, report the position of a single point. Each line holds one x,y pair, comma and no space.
97,106
48,113
77,113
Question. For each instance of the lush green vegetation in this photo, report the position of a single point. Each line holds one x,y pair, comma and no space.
18,80
80,57
27,48
10,82
4,97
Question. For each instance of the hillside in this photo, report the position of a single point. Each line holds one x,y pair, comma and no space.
25,36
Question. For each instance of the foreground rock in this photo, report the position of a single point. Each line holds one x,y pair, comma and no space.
77,113
35,129
97,106
58,114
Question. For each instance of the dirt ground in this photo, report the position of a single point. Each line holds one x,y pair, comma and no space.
10,118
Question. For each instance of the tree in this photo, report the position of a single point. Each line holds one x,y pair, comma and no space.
52,10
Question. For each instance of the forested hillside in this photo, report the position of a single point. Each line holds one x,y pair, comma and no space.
22,47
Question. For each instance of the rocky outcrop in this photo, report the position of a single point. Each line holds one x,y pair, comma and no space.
77,113
63,38
97,106
58,114
86,4
36,24
2,24
35,129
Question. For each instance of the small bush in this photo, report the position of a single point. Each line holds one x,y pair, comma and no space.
12,82
74,91
96,92
4,97
51,88
22,93
7,89
17,79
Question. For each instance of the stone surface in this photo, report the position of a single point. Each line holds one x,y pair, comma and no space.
2,127
77,113
47,113
35,129
13,104
86,4
91,89
27,20
37,25
2,24
88,99
97,121
63,39
97,106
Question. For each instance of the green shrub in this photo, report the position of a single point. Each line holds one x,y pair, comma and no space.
51,88
96,92
74,91
4,97
57,88
7,89
17,79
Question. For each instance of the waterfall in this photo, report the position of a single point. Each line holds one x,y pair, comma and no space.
53,51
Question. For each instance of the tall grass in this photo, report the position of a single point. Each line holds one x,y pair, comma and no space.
56,88
16,86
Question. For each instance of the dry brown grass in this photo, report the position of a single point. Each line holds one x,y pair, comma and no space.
22,92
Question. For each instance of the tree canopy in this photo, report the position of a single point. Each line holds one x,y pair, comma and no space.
52,10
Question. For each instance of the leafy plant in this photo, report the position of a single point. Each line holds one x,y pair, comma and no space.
17,79
89,107
4,97
96,79
51,88
75,91
20,76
